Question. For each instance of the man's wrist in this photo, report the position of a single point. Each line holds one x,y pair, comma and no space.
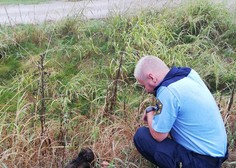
150,109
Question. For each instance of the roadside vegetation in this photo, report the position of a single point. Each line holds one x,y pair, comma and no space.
69,84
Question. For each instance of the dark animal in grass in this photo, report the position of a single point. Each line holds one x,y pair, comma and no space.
83,160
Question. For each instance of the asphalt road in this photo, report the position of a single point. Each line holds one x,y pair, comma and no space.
87,9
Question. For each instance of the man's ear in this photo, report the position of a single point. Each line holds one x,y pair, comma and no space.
152,77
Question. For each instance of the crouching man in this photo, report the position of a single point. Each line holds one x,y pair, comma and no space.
185,110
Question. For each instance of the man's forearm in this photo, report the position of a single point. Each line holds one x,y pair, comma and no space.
156,135
150,116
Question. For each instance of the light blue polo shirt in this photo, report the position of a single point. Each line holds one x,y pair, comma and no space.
190,113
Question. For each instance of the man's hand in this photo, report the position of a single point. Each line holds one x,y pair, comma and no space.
144,117
149,109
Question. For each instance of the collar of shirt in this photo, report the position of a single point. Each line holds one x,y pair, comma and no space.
175,74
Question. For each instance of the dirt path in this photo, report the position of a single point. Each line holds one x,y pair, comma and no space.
88,9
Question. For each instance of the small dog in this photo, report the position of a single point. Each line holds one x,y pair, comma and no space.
83,160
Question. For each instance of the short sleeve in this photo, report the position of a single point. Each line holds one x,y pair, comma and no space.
164,121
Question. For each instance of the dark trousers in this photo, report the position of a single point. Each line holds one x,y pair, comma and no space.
169,154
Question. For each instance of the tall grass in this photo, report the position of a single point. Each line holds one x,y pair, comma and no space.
83,74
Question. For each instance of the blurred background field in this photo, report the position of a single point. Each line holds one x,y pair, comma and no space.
69,84
8,2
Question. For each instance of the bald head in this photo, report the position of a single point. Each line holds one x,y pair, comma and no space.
150,65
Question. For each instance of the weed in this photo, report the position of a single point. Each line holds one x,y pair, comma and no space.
78,108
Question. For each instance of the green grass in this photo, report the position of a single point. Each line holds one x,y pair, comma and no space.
81,63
